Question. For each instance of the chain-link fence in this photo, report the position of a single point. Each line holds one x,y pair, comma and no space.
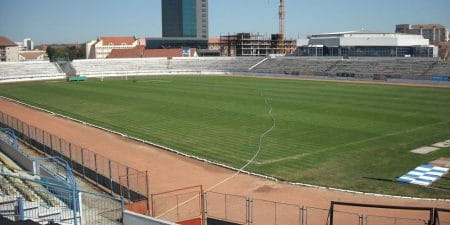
180,205
234,209
100,209
128,182
227,207
385,220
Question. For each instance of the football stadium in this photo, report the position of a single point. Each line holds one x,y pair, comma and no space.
343,128
257,129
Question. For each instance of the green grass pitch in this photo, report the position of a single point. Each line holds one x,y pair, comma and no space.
343,135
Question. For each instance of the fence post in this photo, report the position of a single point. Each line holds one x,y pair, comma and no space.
332,213
20,209
70,155
82,162
249,204
80,203
35,135
29,135
23,131
128,183
96,169
432,217
122,207
110,176
51,144
302,216
148,192
75,205
60,147
205,210
43,141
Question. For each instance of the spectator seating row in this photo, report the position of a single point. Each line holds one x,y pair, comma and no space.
29,70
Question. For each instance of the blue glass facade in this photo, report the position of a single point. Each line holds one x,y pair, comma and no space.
185,18
155,43
189,18
171,18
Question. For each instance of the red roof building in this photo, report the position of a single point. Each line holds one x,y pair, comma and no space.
117,40
102,47
141,52
9,50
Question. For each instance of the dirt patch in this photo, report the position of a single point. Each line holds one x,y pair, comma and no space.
443,162
264,188
424,150
169,171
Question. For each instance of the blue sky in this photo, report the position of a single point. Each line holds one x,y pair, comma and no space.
71,21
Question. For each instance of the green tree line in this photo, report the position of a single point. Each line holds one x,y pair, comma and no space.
66,53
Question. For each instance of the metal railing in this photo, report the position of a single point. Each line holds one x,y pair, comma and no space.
251,211
50,193
118,178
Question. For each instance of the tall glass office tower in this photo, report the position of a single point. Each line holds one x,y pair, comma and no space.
185,18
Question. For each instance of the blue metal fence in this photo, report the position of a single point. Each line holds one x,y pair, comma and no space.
50,193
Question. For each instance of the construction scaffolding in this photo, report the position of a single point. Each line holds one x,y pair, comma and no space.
247,44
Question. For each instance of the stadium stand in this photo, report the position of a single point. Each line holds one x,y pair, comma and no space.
358,68
39,203
44,189
296,65
16,71
161,65
440,68
365,68
230,64
6,221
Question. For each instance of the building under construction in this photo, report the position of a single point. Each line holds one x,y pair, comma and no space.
247,44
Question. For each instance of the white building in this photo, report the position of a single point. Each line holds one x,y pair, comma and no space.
26,45
100,48
366,44
9,52
35,55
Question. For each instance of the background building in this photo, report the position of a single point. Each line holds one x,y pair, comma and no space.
100,48
247,44
34,55
367,44
9,51
432,32
185,18
141,52
26,45
176,42
213,48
